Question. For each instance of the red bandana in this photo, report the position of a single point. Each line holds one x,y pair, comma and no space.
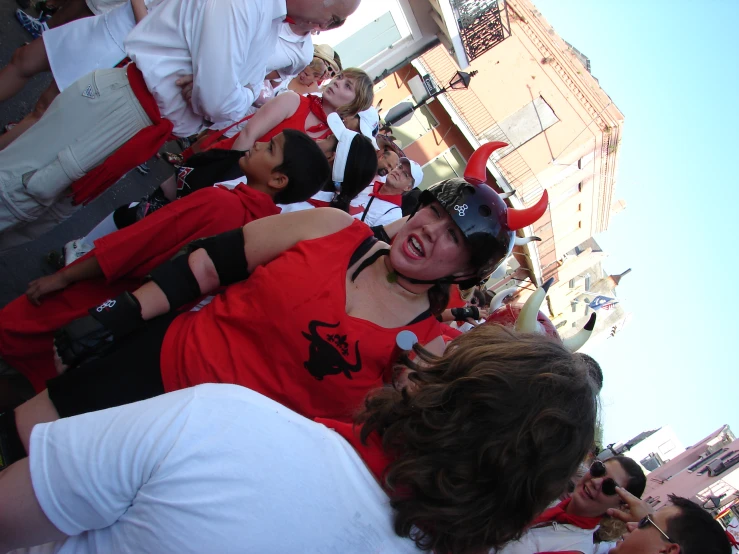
316,108
371,453
353,210
396,199
560,515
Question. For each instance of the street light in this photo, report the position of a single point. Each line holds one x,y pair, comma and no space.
403,111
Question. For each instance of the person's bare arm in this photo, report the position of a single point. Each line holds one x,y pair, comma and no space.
392,228
139,9
81,271
22,522
264,240
267,117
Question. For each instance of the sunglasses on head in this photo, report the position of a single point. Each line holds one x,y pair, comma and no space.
646,521
608,486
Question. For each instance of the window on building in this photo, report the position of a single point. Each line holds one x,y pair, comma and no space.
370,40
446,165
652,461
568,193
666,447
581,282
420,123
531,120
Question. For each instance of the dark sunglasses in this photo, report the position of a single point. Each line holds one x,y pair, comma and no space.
646,521
608,486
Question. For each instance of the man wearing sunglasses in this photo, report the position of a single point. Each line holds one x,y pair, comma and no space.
569,525
682,527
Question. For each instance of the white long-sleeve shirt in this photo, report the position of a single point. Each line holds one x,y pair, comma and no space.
292,53
224,44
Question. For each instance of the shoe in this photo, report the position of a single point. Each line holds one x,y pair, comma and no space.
174,159
144,169
74,250
55,259
149,205
35,27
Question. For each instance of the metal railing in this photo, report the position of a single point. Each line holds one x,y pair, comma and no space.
482,25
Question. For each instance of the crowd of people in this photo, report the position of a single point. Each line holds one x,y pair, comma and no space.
287,346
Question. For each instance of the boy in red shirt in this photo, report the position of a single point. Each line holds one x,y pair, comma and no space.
290,168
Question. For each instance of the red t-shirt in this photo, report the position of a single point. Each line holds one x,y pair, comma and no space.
285,333
126,257
295,121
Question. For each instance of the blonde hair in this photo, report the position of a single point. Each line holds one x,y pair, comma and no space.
319,65
363,92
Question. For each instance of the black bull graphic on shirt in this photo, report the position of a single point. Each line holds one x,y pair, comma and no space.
328,356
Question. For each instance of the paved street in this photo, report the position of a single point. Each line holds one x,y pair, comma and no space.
19,265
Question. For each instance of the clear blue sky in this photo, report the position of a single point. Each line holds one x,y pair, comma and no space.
673,70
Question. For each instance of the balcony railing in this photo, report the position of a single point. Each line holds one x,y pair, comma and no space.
482,25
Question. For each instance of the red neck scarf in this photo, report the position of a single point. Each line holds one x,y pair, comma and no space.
353,210
396,199
371,453
560,515
316,108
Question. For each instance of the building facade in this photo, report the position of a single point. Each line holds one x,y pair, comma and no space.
706,472
533,91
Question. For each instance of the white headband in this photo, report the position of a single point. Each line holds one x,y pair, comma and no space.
345,137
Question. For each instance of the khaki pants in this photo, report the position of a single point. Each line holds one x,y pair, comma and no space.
84,125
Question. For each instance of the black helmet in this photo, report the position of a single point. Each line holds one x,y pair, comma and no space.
481,214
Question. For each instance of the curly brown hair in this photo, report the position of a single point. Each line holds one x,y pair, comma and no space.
487,438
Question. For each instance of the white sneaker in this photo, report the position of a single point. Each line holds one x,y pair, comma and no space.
74,250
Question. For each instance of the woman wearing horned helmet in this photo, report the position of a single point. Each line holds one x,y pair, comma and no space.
357,295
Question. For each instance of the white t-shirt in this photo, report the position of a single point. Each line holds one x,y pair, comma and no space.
292,53
551,538
214,468
380,212
321,195
224,44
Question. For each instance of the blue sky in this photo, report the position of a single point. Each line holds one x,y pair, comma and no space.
671,68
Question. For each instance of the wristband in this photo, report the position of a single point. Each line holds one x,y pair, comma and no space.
463,314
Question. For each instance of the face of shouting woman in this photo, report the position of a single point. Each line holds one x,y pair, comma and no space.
430,246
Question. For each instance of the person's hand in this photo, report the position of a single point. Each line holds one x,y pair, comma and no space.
45,285
637,507
185,83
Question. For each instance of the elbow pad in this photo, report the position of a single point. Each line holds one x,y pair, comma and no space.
178,282
226,251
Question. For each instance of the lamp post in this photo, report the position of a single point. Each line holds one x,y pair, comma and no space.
402,112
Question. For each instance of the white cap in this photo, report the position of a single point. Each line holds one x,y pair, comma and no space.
345,138
369,124
416,171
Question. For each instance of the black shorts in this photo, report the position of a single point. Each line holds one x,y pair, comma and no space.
128,373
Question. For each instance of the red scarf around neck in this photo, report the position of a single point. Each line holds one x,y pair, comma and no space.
316,108
396,199
560,515
353,210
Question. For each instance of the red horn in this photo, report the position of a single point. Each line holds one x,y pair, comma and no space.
475,172
518,219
